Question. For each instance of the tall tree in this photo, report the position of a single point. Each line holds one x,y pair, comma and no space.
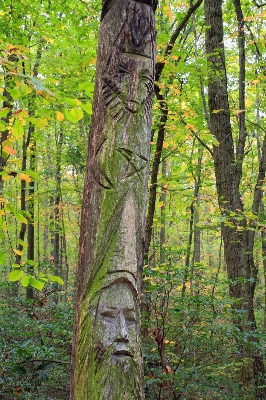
238,234
106,356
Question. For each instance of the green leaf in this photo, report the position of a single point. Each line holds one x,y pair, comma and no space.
32,174
88,87
71,102
2,126
15,275
74,115
56,279
4,112
21,218
2,257
32,263
36,283
23,243
15,93
17,129
44,366
25,281
87,107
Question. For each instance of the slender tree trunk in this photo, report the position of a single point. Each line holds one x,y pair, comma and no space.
237,235
106,356
31,203
57,212
46,226
193,206
162,224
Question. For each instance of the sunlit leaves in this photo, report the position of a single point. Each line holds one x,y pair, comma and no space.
17,129
15,275
24,177
74,114
57,279
60,117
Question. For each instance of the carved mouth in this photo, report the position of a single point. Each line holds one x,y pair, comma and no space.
122,353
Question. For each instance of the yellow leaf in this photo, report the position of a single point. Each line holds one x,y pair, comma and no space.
9,150
239,111
48,40
254,81
24,177
168,12
18,252
217,111
190,126
41,123
165,145
175,58
248,18
59,116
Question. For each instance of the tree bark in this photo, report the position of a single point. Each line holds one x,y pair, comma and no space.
106,356
237,234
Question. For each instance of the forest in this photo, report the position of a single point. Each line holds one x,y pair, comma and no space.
203,277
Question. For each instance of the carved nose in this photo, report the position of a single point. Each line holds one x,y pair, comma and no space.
122,334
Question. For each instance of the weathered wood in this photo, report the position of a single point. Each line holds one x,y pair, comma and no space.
106,357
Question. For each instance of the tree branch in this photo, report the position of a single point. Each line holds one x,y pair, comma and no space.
160,65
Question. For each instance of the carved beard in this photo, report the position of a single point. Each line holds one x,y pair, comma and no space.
117,378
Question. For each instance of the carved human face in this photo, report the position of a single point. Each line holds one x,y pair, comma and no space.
128,83
116,320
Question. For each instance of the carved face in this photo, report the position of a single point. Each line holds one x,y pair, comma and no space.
116,321
127,85
128,77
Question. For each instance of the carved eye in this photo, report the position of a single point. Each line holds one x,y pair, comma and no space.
130,316
109,313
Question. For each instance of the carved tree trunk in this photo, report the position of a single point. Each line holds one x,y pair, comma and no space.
106,356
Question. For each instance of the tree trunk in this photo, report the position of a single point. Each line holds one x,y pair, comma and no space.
57,212
162,224
31,204
106,356
237,235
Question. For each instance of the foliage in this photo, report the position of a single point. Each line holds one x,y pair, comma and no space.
190,347
35,360
47,66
